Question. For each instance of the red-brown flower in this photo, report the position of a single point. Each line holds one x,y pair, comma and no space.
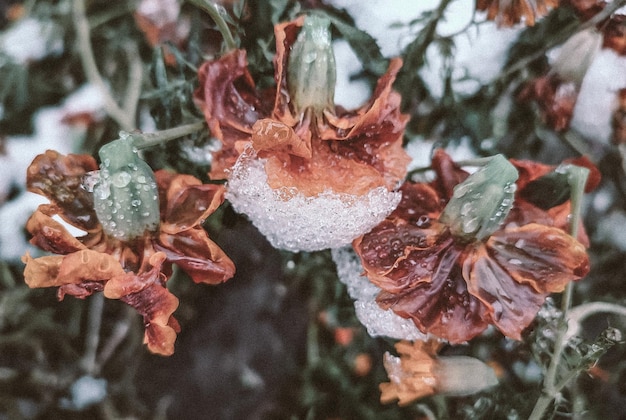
134,270
308,143
510,12
454,285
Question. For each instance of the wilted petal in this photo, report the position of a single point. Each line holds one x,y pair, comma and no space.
511,306
60,178
197,255
510,12
443,306
185,201
42,271
542,257
231,105
50,235
273,136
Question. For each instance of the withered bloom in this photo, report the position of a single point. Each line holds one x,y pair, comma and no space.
298,143
308,142
511,12
466,251
129,262
418,373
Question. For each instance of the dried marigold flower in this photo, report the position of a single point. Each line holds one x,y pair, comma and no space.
418,373
455,275
132,265
291,143
511,12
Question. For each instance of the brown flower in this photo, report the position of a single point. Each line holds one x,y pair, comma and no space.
510,12
133,270
454,285
418,373
307,143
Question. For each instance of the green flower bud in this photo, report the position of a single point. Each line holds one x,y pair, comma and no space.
311,73
481,203
126,197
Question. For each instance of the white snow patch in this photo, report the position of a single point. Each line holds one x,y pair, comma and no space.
379,322
14,214
30,40
349,94
294,222
597,99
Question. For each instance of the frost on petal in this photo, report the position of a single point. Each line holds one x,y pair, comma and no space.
60,178
545,258
442,306
293,221
185,201
511,306
196,255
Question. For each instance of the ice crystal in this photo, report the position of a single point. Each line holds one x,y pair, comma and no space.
294,222
379,322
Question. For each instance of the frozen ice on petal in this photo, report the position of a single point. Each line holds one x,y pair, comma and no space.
379,322
294,222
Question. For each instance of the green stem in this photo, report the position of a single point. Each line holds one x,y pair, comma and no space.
577,177
145,140
214,11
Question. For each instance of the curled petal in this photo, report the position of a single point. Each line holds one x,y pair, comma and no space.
231,105
50,235
510,12
511,306
449,174
42,271
187,201
274,136
443,306
542,257
197,255
60,178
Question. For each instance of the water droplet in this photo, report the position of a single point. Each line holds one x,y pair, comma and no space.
121,179
135,203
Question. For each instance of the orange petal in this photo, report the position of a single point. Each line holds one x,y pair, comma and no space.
197,255
88,265
511,306
50,235
42,271
187,202
542,257
271,135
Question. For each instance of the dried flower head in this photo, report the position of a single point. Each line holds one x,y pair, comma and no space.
305,145
418,373
129,263
511,12
463,252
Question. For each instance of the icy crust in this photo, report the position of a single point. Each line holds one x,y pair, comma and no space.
379,322
294,222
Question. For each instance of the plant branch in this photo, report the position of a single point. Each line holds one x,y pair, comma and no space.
145,140
214,11
81,25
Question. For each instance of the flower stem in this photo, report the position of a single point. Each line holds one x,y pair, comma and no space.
145,140
576,177
215,11
125,118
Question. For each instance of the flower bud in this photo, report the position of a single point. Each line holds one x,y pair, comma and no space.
126,197
311,70
481,203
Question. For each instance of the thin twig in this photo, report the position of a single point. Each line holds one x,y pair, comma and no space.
94,322
222,26
81,25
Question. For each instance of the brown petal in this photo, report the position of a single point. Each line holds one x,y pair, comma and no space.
449,174
88,265
185,201
197,255
511,306
443,306
60,178
273,136
50,235
231,105
545,258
